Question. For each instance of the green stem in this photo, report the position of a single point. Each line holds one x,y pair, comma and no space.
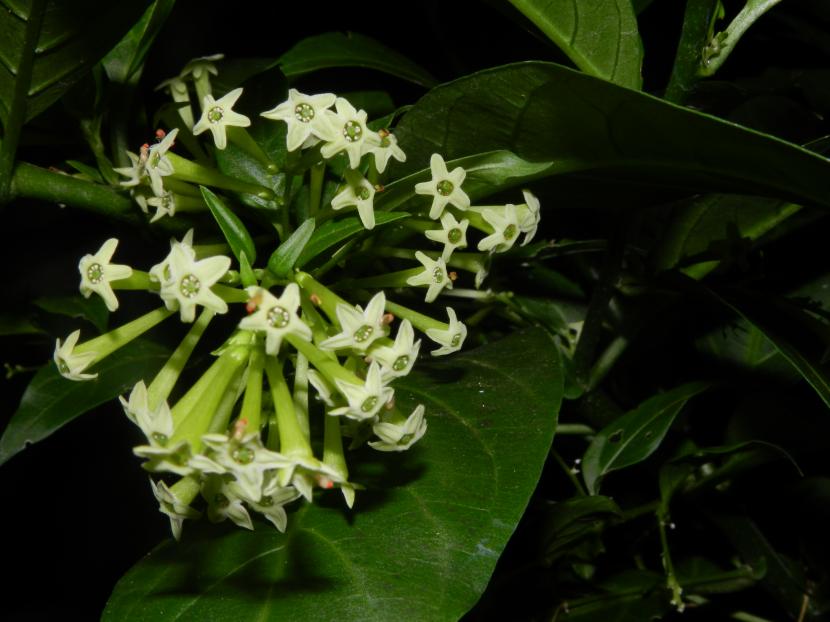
187,170
751,12
325,298
315,190
252,403
301,394
668,566
419,320
322,362
33,182
580,490
390,279
292,440
16,118
106,344
161,386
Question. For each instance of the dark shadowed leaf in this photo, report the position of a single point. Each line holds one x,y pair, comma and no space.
284,259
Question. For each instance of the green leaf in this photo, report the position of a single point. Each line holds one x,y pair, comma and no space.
335,49
569,522
126,59
91,309
600,36
425,535
636,435
12,324
235,162
235,232
579,124
51,401
284,259
335,231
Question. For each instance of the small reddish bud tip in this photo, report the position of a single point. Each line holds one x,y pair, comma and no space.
379,187
390,404
145,146
239,428
453,276
160,134
325,482
387,319
383,133
315,300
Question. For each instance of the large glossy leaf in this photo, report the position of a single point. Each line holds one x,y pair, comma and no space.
283,260
235,231
424,536
579,124
636,435
51,401
72,37
335,49
600,36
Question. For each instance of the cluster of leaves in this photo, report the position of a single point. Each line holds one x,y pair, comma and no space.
675,313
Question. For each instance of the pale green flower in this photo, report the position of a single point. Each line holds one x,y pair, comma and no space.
305,117
360,194
270,503
202,67
453,234
324,389
97,272
158,165
365,400
69,364
506,225
135,172
350,133
397,360
276,316
434,276
246,459
165,205
157,425
173,507
401,435
186,282
450,339
388,148
224,502
358,328
530,214
445,187
217,115
177,88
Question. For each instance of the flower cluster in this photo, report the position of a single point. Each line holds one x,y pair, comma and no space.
302,356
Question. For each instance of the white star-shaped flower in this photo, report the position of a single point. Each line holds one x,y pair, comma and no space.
388,148
177,88
358,328
350,133
360,194
305,117
450,339
324,389
452,235
276,316
506,225
69,364
135,172
201,67
158,165
165,205
397,360
445,187
246,459
186,282
401,435
270,504
97,272
434,276
217,115
366,399
530,215
224,502
157,425
173,507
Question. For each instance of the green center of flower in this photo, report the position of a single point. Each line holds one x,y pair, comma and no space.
454,235
352,131
400,363
405,439
215,114
95,273
165,272
63,367
266,501
159,438
385,142
155,159
304,113
190,286
437,274
363,333
445,187
278,317
456,340
510,232
369,403
221,501
364,193
243,455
